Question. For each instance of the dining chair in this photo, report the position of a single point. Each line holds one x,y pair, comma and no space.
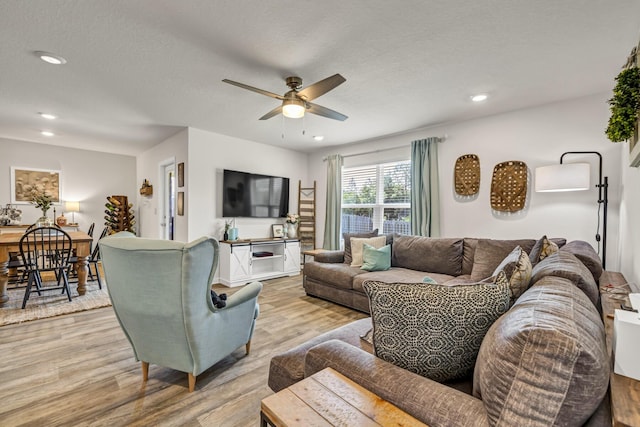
93,259
45,249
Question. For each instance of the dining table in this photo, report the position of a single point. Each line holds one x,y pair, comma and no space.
10,242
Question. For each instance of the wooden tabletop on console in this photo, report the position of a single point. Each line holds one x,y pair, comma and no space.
328,398
625,391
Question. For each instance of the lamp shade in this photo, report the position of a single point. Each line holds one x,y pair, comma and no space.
72,206
563,177
293,108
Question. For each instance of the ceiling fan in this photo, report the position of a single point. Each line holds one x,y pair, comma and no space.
295,102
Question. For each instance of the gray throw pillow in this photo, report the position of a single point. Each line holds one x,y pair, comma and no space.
347,243
517,268
434,330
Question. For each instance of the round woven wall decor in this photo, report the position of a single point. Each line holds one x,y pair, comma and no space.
467,175
509,186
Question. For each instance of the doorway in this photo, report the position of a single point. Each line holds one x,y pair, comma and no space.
167,221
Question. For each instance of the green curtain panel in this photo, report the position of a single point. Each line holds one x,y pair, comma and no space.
334,202
425,193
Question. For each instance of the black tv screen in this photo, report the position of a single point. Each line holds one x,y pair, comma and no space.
252,195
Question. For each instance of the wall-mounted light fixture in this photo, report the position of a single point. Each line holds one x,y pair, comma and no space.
575,177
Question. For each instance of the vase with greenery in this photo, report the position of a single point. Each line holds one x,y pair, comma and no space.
42,201
625,106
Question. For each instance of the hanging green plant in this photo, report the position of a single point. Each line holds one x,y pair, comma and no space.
625,105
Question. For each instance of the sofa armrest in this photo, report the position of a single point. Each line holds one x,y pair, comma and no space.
330,257
432,403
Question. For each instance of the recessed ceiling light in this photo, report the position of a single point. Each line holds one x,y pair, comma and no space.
48,116
47,133
51,58
479,97
318,138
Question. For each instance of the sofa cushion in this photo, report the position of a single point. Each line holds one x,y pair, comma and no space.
587,255
433,255
288,368
542,249
336,274
468,251
517,268
434,330
544,362
489,254
357,247
376,259
566,265
397,275
347,242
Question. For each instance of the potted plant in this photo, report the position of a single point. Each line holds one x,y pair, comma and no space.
43,201
625,105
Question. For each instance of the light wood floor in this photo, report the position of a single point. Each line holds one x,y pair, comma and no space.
79,369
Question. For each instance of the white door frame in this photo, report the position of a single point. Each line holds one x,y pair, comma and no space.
167,197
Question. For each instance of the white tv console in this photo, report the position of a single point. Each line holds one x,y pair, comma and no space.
243,261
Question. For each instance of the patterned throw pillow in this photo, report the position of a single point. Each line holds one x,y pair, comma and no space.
434,330
357,247
517,268
542,249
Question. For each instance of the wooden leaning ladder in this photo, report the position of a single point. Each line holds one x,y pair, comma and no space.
307,212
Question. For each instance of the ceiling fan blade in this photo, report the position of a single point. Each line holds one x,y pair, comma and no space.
254,89
320,88
272,113
325,112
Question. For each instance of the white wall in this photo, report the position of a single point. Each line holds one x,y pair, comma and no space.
209,154
174,148
87,176
538,136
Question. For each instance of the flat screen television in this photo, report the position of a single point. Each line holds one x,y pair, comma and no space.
255,196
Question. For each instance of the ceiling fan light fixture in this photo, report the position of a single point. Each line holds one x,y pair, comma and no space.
293,108
479,97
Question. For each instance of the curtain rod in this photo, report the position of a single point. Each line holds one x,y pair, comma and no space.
381,150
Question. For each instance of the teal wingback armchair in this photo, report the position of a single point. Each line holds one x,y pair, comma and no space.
160,291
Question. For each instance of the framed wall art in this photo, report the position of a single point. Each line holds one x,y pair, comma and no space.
26,181
181,174
277,230
180,208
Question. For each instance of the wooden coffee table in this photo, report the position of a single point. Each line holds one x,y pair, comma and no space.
328,398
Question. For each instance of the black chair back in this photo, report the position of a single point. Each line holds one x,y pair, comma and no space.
45,249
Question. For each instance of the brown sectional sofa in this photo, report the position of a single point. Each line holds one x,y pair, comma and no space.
544,362
445,260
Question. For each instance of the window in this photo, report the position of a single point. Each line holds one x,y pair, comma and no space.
377,196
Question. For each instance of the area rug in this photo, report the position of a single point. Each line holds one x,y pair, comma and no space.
51,303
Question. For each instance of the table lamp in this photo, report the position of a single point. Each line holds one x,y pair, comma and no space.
72,207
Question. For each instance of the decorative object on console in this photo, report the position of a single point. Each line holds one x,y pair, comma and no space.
227,226
576,177
467,175
61,220
10,215
509,186
147,188
292,225
72,207
277,230
119,215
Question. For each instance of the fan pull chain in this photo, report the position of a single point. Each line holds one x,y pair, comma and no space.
304,125
283,126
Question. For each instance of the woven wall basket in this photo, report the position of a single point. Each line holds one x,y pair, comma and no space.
467,175
509,186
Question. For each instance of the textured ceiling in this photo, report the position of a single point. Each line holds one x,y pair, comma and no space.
138,71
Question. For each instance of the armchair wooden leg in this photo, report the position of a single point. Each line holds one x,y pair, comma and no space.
248,346
192,382
145,371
